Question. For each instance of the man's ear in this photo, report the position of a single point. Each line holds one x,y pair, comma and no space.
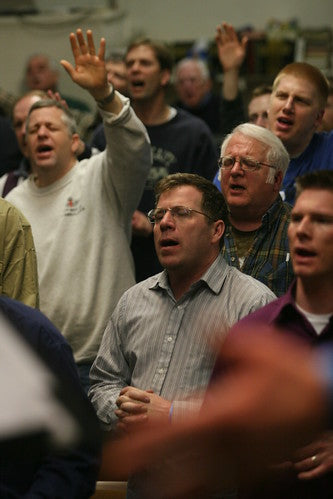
278,177
75,143
319,118
218,231
165,77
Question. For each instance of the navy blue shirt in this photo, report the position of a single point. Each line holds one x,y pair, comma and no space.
35,472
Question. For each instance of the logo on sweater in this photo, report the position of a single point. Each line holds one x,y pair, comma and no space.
73,207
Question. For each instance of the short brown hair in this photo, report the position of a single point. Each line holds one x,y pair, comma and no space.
161,51
307,72
261,90
318,179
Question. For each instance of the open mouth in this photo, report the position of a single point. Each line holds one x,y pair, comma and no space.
304,252
44,148
137,83
43,151
236,187
166,243
284,121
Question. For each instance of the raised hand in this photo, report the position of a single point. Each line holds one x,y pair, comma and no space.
89,71
56,96
231,51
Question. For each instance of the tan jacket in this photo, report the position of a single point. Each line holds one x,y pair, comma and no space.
18,263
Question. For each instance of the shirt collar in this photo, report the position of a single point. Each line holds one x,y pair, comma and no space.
213,278
285,303
273,212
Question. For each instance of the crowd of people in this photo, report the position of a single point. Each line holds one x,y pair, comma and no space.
181,256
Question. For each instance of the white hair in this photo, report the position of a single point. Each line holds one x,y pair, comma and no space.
201,65
277,154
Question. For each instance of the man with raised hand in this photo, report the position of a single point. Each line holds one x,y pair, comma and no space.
80,212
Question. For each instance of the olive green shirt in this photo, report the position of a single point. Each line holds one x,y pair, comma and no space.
18,263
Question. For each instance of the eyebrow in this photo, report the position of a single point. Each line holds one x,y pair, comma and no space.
313,214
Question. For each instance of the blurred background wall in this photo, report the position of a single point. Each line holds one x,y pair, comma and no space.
34,26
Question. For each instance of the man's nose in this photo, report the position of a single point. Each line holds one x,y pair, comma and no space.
289,104
42,130
262,120
304,227
236,167
135,66
167,220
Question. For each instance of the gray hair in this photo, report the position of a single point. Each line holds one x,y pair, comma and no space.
277,154
53,64
66,116
202,66
115,56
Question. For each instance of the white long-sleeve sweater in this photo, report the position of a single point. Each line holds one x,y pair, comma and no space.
81,226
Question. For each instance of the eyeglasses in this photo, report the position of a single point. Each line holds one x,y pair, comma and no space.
247,164
178,212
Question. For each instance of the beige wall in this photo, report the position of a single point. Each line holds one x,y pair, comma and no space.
164,19
188,19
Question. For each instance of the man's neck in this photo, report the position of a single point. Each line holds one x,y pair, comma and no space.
295,150
247,219
45,177
181,280
315,295
152,112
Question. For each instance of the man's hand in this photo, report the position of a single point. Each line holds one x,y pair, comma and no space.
89,71
56,96
141,225
231,51
137,406
316,459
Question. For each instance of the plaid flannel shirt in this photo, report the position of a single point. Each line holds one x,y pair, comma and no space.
268,258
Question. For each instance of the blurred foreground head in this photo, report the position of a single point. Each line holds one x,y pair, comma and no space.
270,400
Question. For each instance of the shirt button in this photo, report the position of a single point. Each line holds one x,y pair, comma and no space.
170,339
161,371
233,258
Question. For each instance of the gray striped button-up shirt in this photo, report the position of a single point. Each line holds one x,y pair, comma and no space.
155,342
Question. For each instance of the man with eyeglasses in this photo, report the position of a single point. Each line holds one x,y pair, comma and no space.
252,165
158,346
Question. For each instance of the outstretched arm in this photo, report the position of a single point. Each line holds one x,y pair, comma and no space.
89,71
231,53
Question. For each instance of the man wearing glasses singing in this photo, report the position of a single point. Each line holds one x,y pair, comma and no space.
157,349
252,165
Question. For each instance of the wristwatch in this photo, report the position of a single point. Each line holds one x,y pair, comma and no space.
107,99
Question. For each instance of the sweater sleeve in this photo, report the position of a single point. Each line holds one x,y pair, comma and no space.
127,157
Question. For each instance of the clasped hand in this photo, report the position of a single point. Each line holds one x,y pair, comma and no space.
137,407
